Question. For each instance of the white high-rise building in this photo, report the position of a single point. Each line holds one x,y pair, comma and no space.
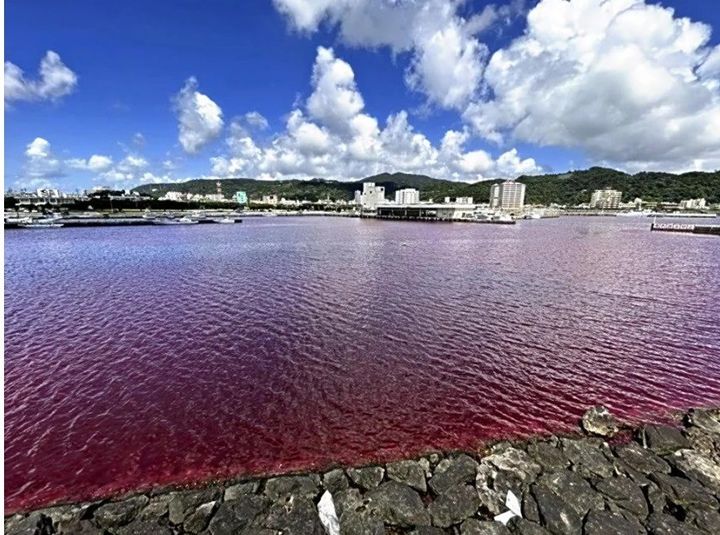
606,199
508,195
371,196
407,196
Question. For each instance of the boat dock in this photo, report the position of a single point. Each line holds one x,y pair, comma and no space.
687,228
83,222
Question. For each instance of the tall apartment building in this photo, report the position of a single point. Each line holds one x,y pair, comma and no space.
407,196
371,196
508,195
606,199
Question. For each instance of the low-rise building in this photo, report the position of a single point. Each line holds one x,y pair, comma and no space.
407,196
693,204
372,196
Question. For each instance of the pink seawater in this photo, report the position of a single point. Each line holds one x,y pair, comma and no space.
146,356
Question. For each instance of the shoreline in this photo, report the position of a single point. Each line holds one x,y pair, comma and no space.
642,478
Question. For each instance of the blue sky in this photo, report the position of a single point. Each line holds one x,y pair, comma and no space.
465,97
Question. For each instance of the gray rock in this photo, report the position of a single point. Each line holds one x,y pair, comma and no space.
510,470
156,508
67,513
558,516
704,442
453,471
599,421
574,491
296,516
368,477
589,457
624,493
361,523
548,455
233,492
655,498
147,527
428,530
244,512
35,523
641,459
398,505
530,508
473,526
302,486
684,492
183,503
408,472
454,505
705,518
82,527
663,439
662,524
694,465
115,514
346,500
522,526
609,523
198,520
334,481
706,419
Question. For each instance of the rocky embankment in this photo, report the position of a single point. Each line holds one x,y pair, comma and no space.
663,480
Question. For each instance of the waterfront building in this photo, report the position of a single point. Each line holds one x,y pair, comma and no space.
173,196
269,199
372,196
693,204
606,199
407,196
241,197
509,195
463,200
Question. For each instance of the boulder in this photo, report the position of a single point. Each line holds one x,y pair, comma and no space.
511,470
663,439
589,457
36,523
573,490
695,465
368,477
354,515
664,524
706,419
428,530
452,472
473,526
398,505
548,455
156,508
297,515
625,494
147,527
198,520
599,421
114,514
558,516
184,503
684,492
410,473
610,523
302,486
233,492
454,505
335,480
233,517
522,526
641,459
86,527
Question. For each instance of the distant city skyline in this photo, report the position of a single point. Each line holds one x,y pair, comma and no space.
149,92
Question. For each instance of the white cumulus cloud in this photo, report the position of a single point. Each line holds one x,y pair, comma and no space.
627,82
199,118
55,80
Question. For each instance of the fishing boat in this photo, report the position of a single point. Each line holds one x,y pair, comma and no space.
225,221
41,223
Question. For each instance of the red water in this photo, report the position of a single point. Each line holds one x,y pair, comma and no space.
143,356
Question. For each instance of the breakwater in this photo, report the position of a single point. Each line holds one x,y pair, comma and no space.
612,479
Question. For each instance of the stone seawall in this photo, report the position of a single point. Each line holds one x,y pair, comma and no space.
653,479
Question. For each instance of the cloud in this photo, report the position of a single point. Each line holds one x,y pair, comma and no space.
199,118
334,137
256,120
40,163
55,81
96,163
628,83
447,56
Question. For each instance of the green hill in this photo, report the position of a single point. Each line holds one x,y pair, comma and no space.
564,188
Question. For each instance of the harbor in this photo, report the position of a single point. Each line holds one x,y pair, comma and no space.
686,228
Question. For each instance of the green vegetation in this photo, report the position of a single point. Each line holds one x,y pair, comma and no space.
567,188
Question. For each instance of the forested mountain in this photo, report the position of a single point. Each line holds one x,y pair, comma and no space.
565,188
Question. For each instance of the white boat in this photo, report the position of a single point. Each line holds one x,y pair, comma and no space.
503,217
225,221
174,221
41,223
633,213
